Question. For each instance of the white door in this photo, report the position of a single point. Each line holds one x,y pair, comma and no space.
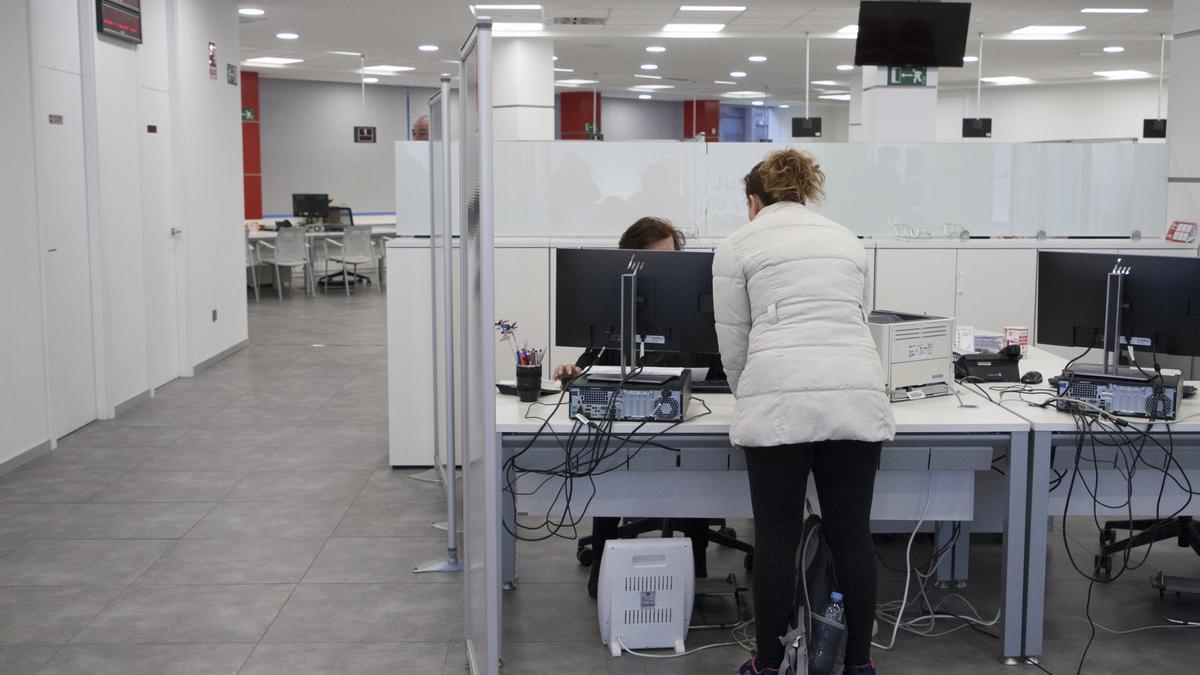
996,288
920,281
161,247
66,265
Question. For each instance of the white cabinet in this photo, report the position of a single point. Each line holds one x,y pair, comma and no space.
920,281
995,288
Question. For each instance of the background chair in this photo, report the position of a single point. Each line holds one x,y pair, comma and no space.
252,263
354,249
290,250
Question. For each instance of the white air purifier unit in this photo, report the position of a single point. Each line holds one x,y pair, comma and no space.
645,593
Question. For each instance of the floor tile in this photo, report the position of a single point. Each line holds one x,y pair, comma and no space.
365,658
234,561
81,458
549,658
408,518
550,613
80,562
128,521
106,434
273,486
56,485
263,436
172,486
368,613
291,458
219,659
24,659
237,459
359,560
191,614
49,614
23,521
389,484
165,412
271,519
249,417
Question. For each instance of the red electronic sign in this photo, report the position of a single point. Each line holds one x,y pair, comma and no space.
121,23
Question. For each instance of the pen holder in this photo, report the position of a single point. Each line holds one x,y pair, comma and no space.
529,383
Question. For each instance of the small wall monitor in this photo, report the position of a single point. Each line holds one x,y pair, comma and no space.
1152,128
310,205
977,127
806,127
931,34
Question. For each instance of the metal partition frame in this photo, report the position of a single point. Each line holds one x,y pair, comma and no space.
481,461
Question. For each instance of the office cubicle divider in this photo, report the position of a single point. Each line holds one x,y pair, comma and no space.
481,462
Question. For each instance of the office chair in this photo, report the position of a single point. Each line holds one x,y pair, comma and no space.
1148,531
355,248
252,263
722,536
290,250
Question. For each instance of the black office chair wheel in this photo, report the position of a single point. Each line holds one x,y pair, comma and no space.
1103,567
727,532
748,561
1107,537
584,555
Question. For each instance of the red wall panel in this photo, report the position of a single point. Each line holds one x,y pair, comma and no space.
251,148
707,118
253,190
575,111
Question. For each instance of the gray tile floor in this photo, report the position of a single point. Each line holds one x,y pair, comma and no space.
246,520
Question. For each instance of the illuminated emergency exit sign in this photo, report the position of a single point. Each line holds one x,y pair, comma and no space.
907,76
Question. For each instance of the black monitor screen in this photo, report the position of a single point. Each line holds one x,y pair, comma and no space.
674,299
310,205
932,34
1161,310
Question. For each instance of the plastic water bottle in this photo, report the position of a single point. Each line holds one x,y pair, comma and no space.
828,646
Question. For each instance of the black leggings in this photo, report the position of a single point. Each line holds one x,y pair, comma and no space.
845,477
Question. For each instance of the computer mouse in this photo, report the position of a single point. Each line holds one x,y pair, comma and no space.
1032,377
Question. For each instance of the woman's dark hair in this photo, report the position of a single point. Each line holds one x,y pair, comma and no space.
786,176
649,230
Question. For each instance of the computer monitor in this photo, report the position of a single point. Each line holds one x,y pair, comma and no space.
931,34
1161,308
310,205
674,299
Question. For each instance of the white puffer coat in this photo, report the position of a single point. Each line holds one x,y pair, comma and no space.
788,289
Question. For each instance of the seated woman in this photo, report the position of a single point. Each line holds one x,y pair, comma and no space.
647,234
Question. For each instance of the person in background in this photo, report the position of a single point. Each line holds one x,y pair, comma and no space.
647,234
420,128
788,293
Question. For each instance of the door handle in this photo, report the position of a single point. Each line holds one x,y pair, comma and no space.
175,231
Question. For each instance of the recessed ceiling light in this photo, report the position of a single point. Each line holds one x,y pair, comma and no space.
287,36
756,102
826,83
744,94
712,8
645,96
271,61
1005,80
564,70
655,49
737,73
574,82
427,48
1048,30
757,59
388,69
347,53
506,7
553,58
251,11
648,77
723,82
785,106
1112,10
694,28
846,66
835,97
651,87
370,80
1114,49
1122,74
970,59
852,29
517,27
649,66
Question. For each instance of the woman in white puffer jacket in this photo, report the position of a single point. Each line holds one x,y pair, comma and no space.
789,290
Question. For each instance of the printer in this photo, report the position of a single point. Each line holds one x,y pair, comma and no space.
916,353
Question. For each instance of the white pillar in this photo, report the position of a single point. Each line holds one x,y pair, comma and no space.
1183,123
523,96
892,112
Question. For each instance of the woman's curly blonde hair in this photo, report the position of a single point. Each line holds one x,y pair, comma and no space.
786,176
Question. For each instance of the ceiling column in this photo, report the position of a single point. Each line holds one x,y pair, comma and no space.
1183,127
523,92
898,105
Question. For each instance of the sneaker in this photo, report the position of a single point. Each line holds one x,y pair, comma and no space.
868,669
748,668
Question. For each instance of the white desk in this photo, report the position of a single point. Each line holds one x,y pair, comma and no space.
269,235
939,446
1054,436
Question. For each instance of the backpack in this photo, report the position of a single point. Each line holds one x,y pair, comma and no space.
815,579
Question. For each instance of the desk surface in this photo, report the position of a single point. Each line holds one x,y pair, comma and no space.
940,414
1050,419
376,231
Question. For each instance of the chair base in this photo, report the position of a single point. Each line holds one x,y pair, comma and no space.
1143,532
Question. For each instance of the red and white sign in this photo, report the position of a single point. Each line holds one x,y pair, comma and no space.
1181,232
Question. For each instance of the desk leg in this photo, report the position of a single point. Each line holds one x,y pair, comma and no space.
954,566
1039,511
1015,537
508,539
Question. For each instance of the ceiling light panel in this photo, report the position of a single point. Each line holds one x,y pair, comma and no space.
517,27
645,97
845,67
1114,49
1113,10
288,36
745,94
388,69
835,97
712,8
1048,30
427,48
271,61
1122,74
756,59
694,28
648,77
649,66
655,49
970,59
251,11
1005,80
737,73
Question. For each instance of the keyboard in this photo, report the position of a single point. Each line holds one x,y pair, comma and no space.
710,387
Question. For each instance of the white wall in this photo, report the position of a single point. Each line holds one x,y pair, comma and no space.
308,144
835,122
1026,113
631,119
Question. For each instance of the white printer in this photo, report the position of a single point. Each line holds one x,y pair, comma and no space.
916,353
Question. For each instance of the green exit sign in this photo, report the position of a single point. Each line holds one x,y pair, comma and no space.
907,76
